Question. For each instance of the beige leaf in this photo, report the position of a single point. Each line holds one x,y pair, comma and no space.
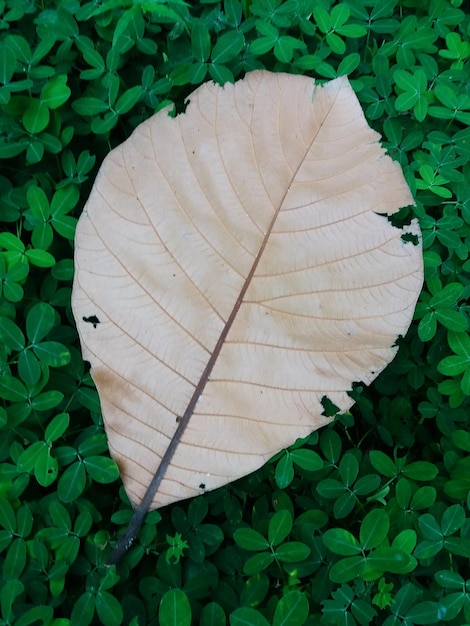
232,269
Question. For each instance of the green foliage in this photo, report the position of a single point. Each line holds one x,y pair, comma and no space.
365,522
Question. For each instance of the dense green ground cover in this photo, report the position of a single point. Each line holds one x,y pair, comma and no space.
367,521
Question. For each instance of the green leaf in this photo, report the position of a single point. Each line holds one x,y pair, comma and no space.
258,562
40,258
36,117
425,613
336,44
11,335
250,539
72,482
280,525
307,459
292,552
174,609
47,400
56,427
348,469
291,610
7,516
330,488
55,92
405,541
374,529
83,609
128,100
88,106
102,469
109,609
430,528
39,321
32,616
448,296
246,616
420,470
52,353
200,42
10,590
383,463
427,327
227,47
322,19
347,569
453,519
341,541
284,473
46,467
212,614
38,202
12,389
453,320
449,579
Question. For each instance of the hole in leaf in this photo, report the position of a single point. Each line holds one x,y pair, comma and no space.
329,408
92,319
410,237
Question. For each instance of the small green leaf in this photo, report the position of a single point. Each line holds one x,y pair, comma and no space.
12,389
453,519
36,117
55,92
341,541
88,106
57,427
11,335
200,42
322,19
83,610
101,468
40,258
258,562
7,516
250,539
280,525
47,400
46,467
374,528
174,609
38,202
284,473
39,321
292,551
246,616
430,528
72,482
109,609
453,320
347,569
307,459
9,592
291,610
383,463
128,100
227,47
52,353
212,614
420,470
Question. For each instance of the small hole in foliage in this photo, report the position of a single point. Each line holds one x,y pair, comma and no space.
329,408
410,237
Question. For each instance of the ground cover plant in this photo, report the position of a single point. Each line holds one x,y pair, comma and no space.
366,521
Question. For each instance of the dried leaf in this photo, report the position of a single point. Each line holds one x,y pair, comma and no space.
232,269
